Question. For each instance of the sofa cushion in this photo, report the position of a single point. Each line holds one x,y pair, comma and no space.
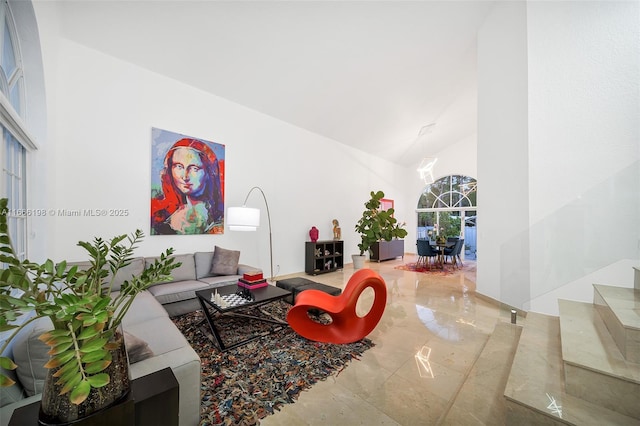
246,269
14,393
177,291
186,271
135,268
225,262
203,263
30,354
143,308
220,280
160,334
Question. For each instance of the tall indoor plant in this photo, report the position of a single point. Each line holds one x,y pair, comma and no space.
88,368
377,225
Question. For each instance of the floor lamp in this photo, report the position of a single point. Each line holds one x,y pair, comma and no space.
248,219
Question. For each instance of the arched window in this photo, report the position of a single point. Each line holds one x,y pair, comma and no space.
449,192
448,207
16,142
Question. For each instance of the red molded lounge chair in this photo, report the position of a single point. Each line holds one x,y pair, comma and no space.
346,325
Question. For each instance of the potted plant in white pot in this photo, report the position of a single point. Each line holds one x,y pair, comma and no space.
376,226
88,368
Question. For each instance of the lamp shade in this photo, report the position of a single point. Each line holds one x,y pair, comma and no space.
243,218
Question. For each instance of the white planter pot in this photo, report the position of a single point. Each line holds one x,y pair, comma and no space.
358,261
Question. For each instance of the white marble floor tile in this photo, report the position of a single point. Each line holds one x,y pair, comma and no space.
434,361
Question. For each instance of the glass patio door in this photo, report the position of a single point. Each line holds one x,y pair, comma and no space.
447,207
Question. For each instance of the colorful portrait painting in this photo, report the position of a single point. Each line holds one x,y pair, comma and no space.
187,185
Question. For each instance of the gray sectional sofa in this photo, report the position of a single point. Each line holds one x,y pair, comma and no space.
153,341
179,295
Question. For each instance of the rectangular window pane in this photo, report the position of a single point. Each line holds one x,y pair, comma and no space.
15,96
20,241
15,189
8,56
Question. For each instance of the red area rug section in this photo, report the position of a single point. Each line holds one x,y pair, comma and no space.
434,269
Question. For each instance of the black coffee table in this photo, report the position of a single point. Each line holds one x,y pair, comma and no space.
258,297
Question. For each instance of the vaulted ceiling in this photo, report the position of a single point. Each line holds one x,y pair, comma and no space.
393,78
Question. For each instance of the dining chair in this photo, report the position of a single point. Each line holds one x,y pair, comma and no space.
425,252
460,247
454,252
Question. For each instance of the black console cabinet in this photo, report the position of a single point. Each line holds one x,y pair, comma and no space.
323,256
384,250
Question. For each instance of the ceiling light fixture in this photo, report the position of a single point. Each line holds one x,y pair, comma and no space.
427,128
425,170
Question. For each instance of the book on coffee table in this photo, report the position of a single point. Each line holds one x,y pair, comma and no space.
252,283
252,276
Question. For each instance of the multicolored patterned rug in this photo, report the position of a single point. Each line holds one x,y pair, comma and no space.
431,269
245,384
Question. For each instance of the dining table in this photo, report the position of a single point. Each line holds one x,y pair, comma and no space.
440,248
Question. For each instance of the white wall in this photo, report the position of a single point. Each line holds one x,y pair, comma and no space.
503,204
584,121
558,149
104,110
458,159
100,112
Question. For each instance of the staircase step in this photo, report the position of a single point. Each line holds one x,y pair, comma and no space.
618,307
488,376
535,388
595,369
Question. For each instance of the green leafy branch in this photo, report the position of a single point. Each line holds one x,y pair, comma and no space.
80,303
377,225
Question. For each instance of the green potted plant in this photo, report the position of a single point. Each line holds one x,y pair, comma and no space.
88,368
376,226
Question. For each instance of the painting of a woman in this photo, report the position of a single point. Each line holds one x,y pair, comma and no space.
190,196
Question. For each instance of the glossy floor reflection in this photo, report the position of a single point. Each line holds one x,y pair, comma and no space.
427,343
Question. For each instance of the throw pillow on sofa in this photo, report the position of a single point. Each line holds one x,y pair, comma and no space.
137,349
203,263
31,355
11,394
225,262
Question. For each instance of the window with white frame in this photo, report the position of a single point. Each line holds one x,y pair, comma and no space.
16,142
448,208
